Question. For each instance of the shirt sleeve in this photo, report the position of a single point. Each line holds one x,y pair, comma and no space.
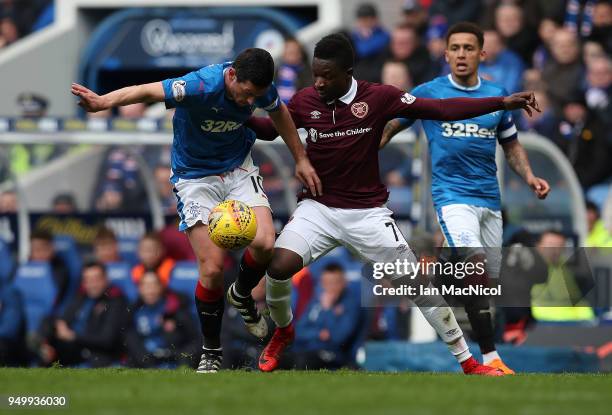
185,91
271,101
293,106
419,92
403,104
506,130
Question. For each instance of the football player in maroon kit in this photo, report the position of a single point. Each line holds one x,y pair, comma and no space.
344,119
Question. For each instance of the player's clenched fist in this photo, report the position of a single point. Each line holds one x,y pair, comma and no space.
522,100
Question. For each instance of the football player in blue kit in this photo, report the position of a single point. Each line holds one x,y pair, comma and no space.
464,174
211,162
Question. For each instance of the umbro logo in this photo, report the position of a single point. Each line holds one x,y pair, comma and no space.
315,115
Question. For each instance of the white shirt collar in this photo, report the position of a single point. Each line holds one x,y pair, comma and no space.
461,87
350,95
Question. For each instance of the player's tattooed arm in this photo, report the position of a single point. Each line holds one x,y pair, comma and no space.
303,169
517,159
391,129
92,102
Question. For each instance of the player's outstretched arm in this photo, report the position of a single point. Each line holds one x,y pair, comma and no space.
303,169
92,102
391,129
454,109
517,159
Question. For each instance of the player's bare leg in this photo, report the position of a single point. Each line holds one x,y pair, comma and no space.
252,269
208,296
285,263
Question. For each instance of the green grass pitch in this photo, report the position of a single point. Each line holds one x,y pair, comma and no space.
174,392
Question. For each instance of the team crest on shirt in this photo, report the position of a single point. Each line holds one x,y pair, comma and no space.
178,90
313,135
315,115
359,109
407,98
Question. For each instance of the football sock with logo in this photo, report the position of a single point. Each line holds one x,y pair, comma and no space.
278,297
209,303
440,316
250,274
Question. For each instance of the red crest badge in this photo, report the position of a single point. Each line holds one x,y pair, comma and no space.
359,109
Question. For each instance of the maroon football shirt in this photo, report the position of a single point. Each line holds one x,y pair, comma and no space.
343,136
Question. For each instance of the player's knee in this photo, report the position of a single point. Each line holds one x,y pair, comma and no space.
284,264
264,245
210,273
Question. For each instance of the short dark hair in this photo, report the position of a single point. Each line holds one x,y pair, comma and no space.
466,27
333,267
255,65
92,263
590,205
42,234
105,234
336,47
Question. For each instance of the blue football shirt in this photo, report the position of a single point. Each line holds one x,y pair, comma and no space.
463,152
209,136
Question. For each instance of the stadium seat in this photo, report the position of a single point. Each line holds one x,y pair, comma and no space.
183,280
128,249
7,263
119,274
35,283
66,247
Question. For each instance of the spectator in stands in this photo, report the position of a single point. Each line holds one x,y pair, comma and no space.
106,247
510,24
90,331
501,65
598,235
64,203
546,31
325,331
152,256
457,10
12,326
543,122
415,15
583,139
396,74
162,175
602,24
599,89
161,329
561,298
592,51
8,201
293,71
9,32
42,250
406,47
369,37
564,73
436,42
121,188
32,105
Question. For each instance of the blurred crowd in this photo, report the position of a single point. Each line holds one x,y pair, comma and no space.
19,18
103,306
